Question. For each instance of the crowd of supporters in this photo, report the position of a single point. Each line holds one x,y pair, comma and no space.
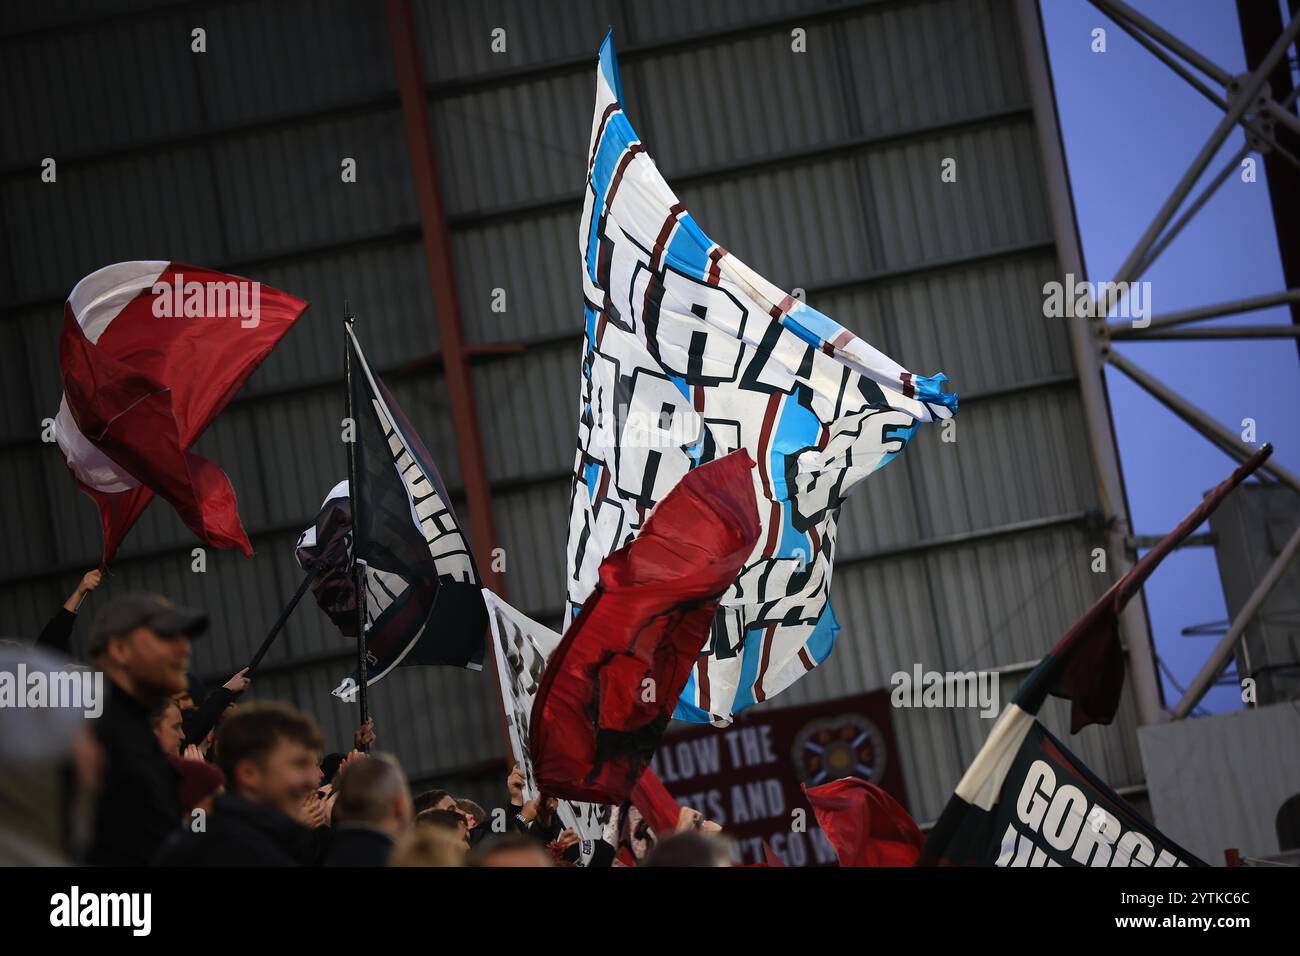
175,774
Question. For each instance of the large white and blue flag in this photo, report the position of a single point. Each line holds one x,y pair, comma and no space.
688,355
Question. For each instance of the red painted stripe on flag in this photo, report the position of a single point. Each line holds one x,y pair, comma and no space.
661,241
759,696
715,264
623,163
764,454
610,110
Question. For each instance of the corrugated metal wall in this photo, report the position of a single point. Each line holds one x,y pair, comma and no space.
820,169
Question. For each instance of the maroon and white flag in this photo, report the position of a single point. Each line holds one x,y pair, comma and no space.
151,352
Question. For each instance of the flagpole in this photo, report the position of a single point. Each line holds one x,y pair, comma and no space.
358,566
278,626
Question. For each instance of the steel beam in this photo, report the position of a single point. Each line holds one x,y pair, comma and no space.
1118,10
1199,420
442,277
1251,86
1119,330
1215,332
1260,22
1092,383
1224,650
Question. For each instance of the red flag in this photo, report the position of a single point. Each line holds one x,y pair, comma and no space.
151,353
610,686
770,859
656,804
865,825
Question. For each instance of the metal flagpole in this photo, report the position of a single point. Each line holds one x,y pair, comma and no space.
278,626
358,566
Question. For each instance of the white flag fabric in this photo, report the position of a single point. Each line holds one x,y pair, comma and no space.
522,647
689,354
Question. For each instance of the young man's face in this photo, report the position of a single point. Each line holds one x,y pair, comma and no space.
170,731
154,663
283,778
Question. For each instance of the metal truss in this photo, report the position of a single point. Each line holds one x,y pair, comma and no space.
1246,102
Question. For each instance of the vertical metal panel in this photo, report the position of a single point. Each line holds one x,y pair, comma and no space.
534,523
302,56
527,258
523,141
283,190
736,101
931,62
73,91
20,419
25,522
387,289
668,19
455,39
533,402
147,207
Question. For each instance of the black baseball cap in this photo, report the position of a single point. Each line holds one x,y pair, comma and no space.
123,615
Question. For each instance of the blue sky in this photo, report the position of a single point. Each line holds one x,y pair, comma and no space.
1131,128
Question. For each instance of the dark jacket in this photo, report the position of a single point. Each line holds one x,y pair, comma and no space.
57,633
358,846
199,721
139,804
240,833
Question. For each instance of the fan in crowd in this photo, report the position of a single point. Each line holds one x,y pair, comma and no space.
172,774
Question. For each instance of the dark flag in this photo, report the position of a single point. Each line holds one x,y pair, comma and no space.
423,598
1026,800
611,685
325,550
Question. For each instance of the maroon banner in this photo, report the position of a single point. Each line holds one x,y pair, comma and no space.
747,777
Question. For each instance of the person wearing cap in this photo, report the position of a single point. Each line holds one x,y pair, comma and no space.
142,644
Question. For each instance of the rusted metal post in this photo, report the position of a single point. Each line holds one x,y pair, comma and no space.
437,257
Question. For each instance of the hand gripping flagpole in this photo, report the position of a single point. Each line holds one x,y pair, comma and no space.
358,566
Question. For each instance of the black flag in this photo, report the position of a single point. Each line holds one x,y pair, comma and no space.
423,599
